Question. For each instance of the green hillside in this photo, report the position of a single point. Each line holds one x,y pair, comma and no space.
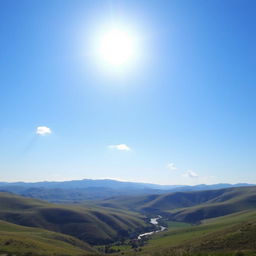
222,222
19,240
156,203
219,236
233,200
95,225
190,206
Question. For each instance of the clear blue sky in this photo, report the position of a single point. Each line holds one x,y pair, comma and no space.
188,99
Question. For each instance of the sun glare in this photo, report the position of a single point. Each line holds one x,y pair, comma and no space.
117,47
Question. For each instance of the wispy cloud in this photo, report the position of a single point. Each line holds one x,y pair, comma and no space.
172,167
43,130
190,174
122,147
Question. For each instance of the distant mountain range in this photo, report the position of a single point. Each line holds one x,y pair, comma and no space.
88,189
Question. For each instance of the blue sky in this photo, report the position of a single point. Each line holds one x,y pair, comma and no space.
181,112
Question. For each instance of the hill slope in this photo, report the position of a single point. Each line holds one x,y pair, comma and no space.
190,206
218,236
231,201
20,240
94,225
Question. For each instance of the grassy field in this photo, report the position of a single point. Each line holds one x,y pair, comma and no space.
174,225
20,240
229,235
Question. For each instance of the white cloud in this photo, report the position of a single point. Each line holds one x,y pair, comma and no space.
190,174
122,147
172,167
43,130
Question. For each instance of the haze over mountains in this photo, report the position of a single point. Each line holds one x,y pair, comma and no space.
88,189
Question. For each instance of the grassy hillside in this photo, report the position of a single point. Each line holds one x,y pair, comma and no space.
157,203
135,203
230,235
95,225
190,206
231,201
20,240
101,225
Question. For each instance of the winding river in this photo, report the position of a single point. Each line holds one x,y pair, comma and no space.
153,221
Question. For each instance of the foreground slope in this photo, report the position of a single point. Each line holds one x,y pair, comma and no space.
219,236
20,240
94,225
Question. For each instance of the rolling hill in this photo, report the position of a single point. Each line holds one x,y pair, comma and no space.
19,240
223,222
231,235
94,225
190,206
229,201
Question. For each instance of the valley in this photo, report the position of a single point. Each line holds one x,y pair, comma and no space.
215,222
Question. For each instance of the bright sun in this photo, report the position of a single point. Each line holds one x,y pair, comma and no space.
117,47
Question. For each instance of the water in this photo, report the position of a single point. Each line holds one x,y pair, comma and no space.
153,221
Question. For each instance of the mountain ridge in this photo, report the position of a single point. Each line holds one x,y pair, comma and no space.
119,184
88,189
